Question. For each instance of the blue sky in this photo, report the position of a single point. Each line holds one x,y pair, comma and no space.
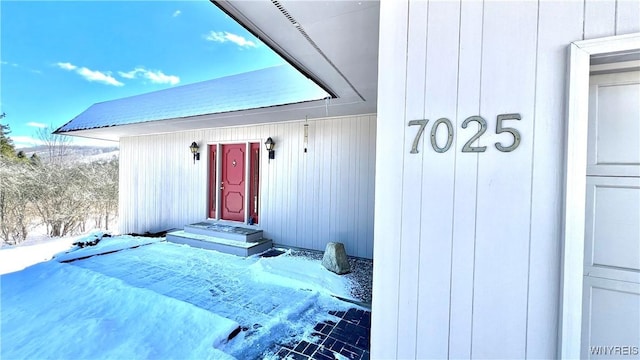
59,57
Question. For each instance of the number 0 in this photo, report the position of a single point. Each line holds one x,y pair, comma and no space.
434,129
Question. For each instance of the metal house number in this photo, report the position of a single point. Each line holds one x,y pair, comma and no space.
467,147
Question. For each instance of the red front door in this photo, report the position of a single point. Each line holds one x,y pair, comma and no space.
233,182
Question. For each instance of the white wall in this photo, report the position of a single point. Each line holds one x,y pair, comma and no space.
307,199
467,245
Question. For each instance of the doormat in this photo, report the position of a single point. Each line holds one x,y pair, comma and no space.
271,253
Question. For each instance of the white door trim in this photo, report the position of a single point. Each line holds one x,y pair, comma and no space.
577,112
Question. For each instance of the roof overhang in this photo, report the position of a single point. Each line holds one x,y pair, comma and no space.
309,110
335,43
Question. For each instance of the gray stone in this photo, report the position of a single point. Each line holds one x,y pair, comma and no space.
335,258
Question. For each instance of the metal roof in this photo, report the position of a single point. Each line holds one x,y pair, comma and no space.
278,85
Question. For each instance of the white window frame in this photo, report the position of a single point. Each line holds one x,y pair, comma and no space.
577,114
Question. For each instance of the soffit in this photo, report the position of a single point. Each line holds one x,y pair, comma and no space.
334,42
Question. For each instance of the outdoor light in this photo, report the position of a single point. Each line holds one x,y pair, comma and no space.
194,150
270,145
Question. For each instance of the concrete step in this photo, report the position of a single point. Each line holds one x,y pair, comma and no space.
234,247
224,231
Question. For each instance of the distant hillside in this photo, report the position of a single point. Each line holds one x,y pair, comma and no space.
77,152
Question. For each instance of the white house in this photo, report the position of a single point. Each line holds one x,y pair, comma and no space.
503,141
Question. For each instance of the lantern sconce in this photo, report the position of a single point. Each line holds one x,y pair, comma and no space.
269,144
194,150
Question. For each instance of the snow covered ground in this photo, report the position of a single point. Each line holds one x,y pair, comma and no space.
38,247
15,258
161,300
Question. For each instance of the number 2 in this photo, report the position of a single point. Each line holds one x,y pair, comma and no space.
483,128
423,124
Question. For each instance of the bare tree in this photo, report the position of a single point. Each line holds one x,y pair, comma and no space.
109,190
15,214
56,197
103,186
57,145
62,193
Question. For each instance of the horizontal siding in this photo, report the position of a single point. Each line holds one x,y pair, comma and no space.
467,246
307,199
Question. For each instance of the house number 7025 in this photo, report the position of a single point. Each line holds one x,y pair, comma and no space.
467,146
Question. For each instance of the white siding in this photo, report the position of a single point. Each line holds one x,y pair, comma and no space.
467,246
307,199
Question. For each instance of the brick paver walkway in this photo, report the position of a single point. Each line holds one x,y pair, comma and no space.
227,286
349,337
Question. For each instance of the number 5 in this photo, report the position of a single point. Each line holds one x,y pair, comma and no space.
512,131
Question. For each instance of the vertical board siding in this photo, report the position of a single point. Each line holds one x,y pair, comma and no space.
546,205
627,16
306,200
390,156
466,167
412,176
504,181
599,18
610,17
467,245
437,180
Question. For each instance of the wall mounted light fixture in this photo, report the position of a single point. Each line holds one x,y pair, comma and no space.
194,150
269,144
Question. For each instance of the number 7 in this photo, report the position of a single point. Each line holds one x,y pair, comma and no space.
423,124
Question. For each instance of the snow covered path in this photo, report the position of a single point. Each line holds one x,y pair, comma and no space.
54,310
164,301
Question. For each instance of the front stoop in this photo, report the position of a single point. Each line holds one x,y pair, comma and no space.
225,238
224,231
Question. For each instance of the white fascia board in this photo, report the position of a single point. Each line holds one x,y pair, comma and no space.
310,110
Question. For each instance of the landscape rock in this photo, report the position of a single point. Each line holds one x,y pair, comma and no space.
335,258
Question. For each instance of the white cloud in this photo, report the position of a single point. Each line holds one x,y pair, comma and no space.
90,75
215,36
25,141
94,75
22,142
239,40
155,76
224,36
177,13
18,66
37,124
158,77
91,142
130,74
66,66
